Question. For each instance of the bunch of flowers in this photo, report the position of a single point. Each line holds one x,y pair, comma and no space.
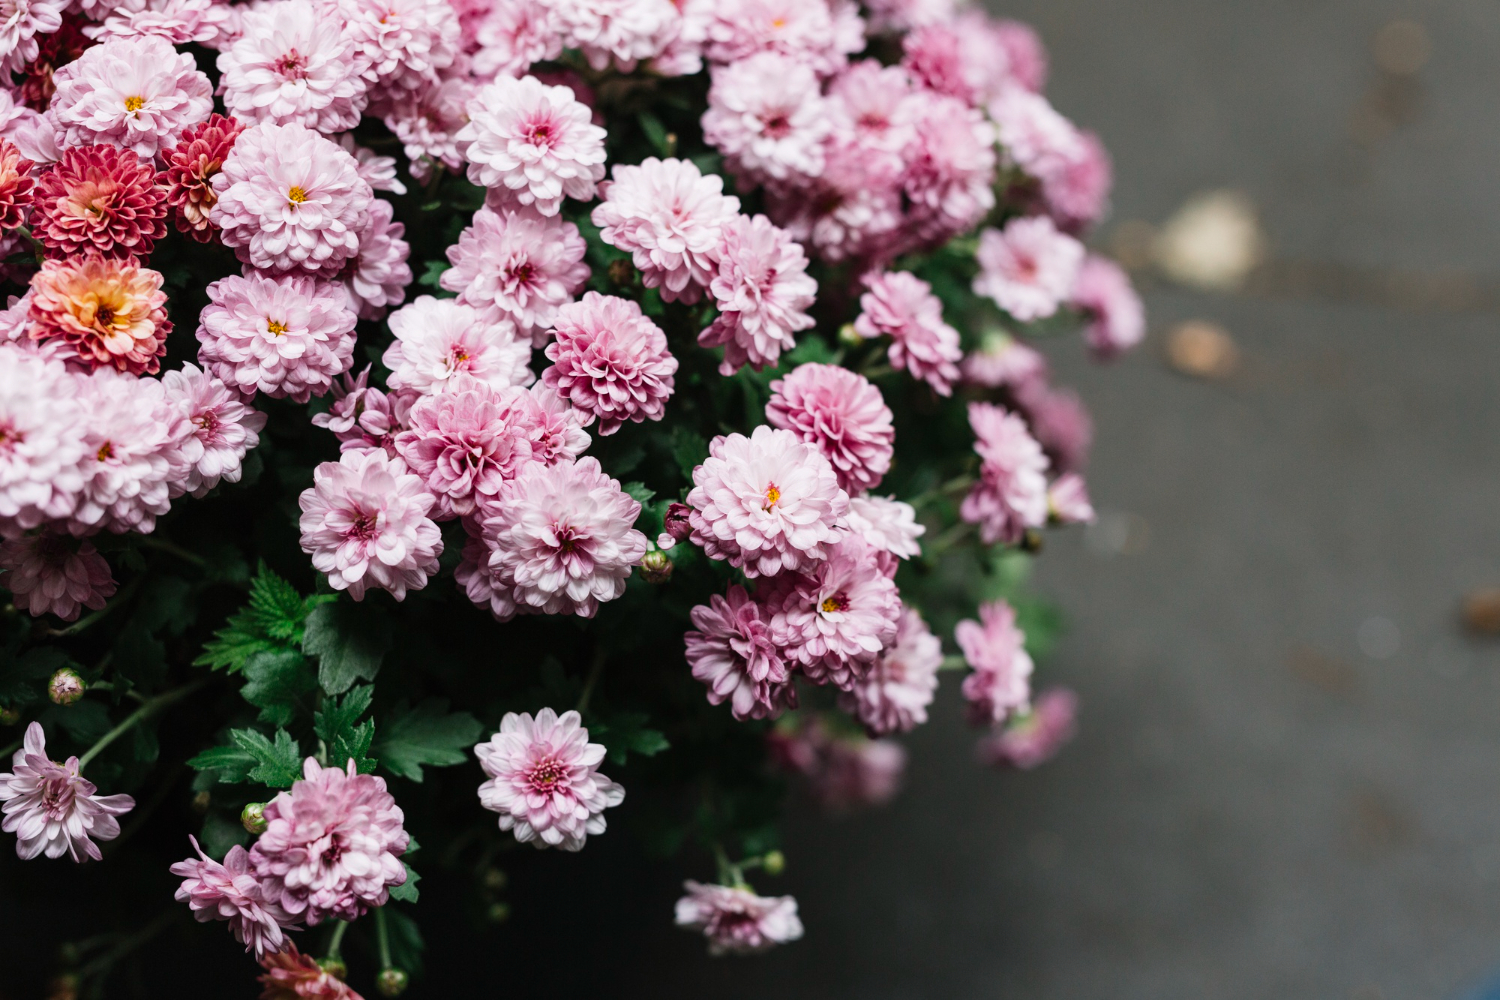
561,385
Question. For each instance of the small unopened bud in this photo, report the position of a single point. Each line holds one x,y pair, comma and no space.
335,967
621,272
849,337
774,863
66,687
201,802
676,525
392,982
253,818
656,567
9,716
499,912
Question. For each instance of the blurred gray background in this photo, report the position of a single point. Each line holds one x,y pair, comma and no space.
1288,779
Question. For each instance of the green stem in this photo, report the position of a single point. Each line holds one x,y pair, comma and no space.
109,686
595,672
382,938
159,702
125,947
336,941
171,548
955,485
124,595
954,662
947,540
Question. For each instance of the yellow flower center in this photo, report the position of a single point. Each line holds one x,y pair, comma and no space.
134,103
296,195
275,327
106,452
779,22
830,605
773,494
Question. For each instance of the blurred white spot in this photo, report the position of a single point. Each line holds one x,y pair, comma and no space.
1449,660
1117,534
1379,638
1213,241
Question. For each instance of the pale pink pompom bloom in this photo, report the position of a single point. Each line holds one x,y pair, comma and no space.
618,32
550,423
811,33
843,414
293,64
887,525
377,275
332,845
670,219
1028,268
286,336
518,265
23,21
49,573
440,339
377,171
731,651
34,136
399,44
291,975
735,920
41,438
964,58
996,650
211,23
836,616
561,540
138,93
901,306
767,116
1003,361
1011,494
1071,165
513,35
852,211
54,810
1027,55
532,144
363,417
894,695
231,891
544,780
1077,195
427,123
1068,500
611,361
1033,738
1117,320
291,199
462,444
365,525
1059,421
766,503
950,167
132,453
222,429
762,291
873,109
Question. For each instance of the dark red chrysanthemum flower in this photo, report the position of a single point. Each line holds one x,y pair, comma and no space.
102,198
33,84
16,184
191,165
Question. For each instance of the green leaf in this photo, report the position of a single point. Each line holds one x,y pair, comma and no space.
338,726
84,721
140,657
407,945
627,733
349,640
407,891
426,736
220,833
689,449
812,349
664,143
275,681
639,492
278,764
231,765
273,619
433,274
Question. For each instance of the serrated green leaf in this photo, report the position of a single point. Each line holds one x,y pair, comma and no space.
689,449
432,275
231,765
275,681
427,735
275,606
626,733
273,619
350,641
639,492
338,726
407,891
278,764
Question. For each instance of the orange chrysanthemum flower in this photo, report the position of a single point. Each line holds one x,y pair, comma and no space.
109,312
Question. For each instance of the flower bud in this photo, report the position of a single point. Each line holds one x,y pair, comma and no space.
9,716
849,337
774,863
499,912
253,818
656,567
392,982
676,524
335,967
201,802
65,687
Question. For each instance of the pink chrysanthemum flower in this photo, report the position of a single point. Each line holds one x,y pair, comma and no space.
293,64
1117,320
512,36
609,360
1033,738
1026,54
996,650
231,891
1011,494
223,429
291,975
767,503
762,291
41,440
286,336
901,306
1077,195
50,573
670,219
290,199
519,266
332,845
1003,361
16,187
964,58
835,617
377,171
23,21
894,695
843,414
440,339
132,453
365,523
844,772
735,920
552,426
101,312
806,32
897,16
768,117
852,211
618,32
532,144
1029,268
377,275
463,443
139,93
210,23
1059,422
887,525
561,540
364,418
400,44
101,198
190,169
1068,500
427,122
873,110
950,167
544,780
54,810
732,652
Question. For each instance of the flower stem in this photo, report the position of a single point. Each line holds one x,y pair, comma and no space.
595,672
159,702
172,548
336,940
129,944
124,595
382,938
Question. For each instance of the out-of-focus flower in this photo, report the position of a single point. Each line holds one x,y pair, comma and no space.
735,920
50,573
996,650
41,440
291,975
376,277
139,93
1028,268
810,33
950,167
519,266
1027,55
190,169
223,429
894,695
1117,320
901,306
1068,500
731,651
462,446
610,361
1059,422
16,186
24,21
843,771
365,523
378,171
439,339
1002,361
293,64
544,780
54,810
514,35
99,198
210,23
231,891
1011,494
618,32
842,413
363,417
427,122
767,116
1033,738
762,290
109,313
887,525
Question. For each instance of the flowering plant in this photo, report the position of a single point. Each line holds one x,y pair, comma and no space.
525,387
